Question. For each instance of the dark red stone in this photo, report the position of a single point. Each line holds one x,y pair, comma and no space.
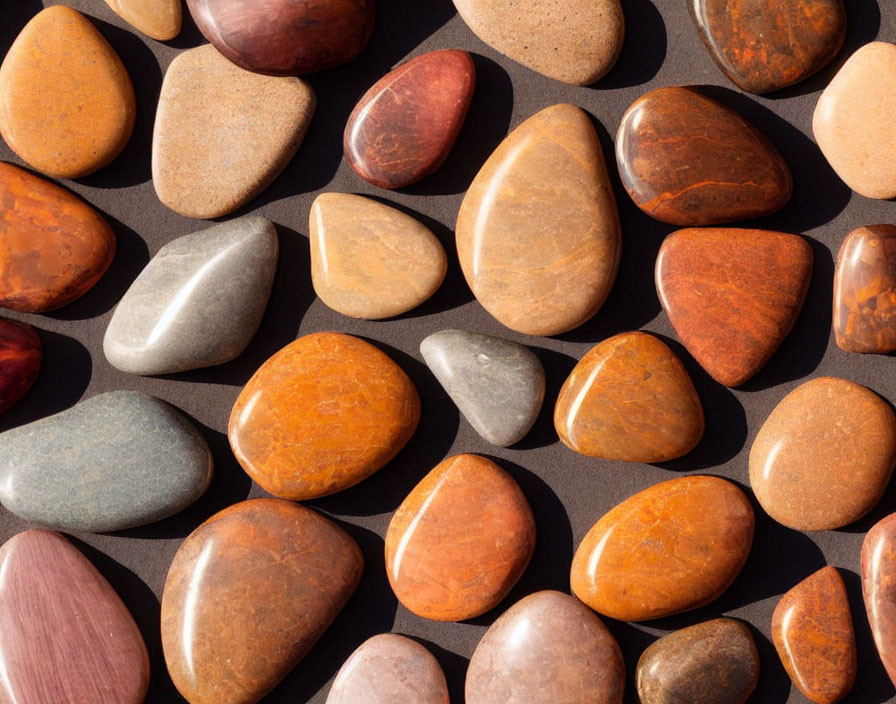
20,356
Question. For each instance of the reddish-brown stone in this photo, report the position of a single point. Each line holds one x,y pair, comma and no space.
20,357
879,588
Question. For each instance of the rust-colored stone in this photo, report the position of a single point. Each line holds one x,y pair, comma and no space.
879,589
20,357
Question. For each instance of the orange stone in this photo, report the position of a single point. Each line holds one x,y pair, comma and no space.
323,413
460,540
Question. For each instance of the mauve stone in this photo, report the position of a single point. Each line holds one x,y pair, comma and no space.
20,358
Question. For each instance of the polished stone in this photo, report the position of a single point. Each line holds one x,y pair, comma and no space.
248,594
824,456
117,460
497,384
198,302
20,358
879,589
369,260
538,233
733,295
460,540
159,19
547,647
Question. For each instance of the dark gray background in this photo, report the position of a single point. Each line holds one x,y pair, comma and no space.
568,492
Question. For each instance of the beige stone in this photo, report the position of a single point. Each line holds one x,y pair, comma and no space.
159,19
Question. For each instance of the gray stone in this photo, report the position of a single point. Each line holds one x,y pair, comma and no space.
497,384
198,302
115,461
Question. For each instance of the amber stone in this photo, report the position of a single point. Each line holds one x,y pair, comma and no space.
879,589
686,159
159,19
673,547
538,231
248,594
404,126
630,398
460,540
20,357
824,456
765,45
812,630
733,295
323,413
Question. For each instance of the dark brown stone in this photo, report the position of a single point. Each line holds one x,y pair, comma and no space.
20,357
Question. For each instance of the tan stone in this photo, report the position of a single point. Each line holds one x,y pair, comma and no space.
159,19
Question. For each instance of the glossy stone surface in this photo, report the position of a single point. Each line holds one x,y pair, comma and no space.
223,134
20,358
198,302
672,547
285,37
824,456
117,460
879,589
159,19
460,540
323,413
67,104
687,159
389,669
714,662
248,594
404,126
547,647
538,233
812,630
67,636
574,42
497,384
369,260
733,295
766,45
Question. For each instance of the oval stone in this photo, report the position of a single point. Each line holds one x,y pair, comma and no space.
460,540
673,547
879,589
249,592
824,456
20,358
325,412
538,231
67,104
547,647
67,636
159,19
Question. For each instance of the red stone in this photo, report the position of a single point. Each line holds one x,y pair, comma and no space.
20,357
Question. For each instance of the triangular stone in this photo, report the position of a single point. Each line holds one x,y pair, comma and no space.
159,19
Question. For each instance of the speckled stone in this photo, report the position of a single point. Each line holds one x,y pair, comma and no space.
159,19
115,461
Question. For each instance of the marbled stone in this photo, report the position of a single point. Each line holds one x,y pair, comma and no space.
460,540
404,126
574,42
538,231
687,159
824,456
765,45
117,460
879,589
198,302
323,413
286,37
159,19
67,104
812,630
547,647
249,593
715,662
672,547
733,295
67,636
223,134
369,260
20,358
497,384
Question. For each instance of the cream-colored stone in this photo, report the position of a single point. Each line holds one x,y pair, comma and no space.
159,19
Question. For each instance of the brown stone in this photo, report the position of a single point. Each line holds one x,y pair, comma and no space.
159,19
879,589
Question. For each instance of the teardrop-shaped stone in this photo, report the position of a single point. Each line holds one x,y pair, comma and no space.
460,540
20,358
687,159
223,134
497,384
369,260
67,104
323,413
538,231
117,460
547,647
198,302
879,589
159,19
67,636
248,594
732,295
630,398
672,547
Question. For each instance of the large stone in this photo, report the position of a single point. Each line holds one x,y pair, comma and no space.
538,231
159,19
20,358
879,589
